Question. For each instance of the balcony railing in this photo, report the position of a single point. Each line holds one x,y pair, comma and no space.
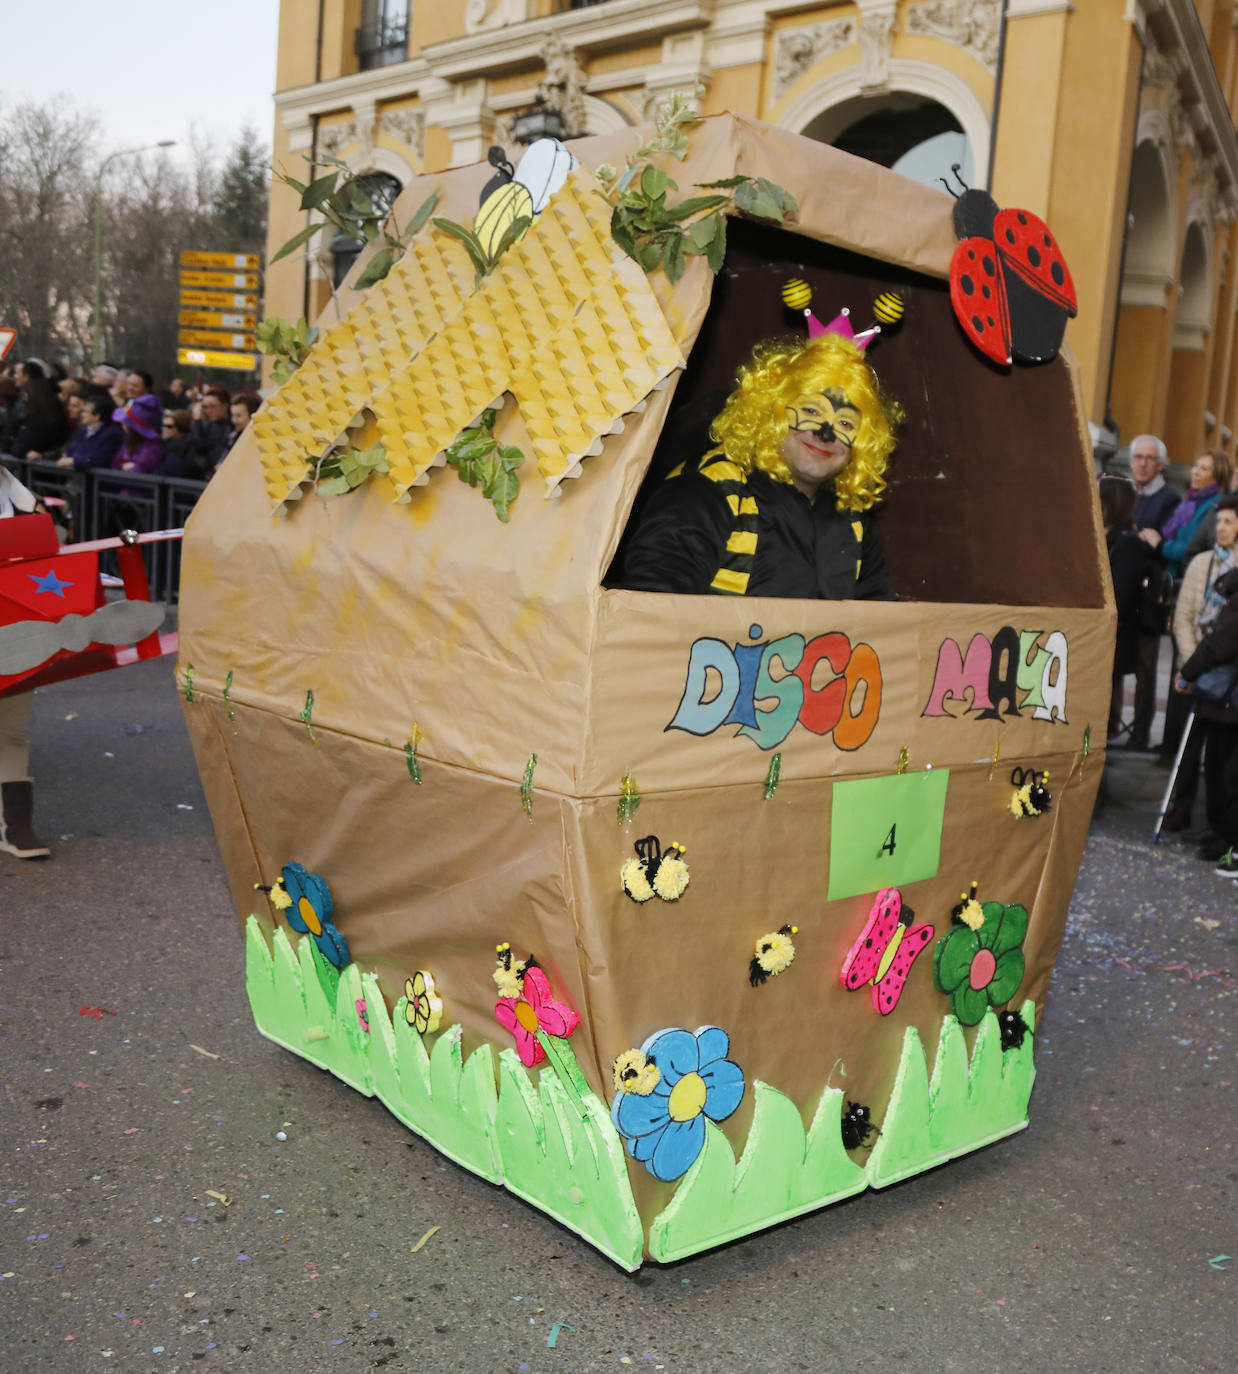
382,43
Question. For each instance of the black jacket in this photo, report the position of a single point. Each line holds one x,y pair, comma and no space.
1130,560
209,441
1219,646
804,549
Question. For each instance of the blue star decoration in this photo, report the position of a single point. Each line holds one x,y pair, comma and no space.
49,582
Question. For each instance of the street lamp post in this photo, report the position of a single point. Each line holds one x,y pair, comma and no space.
96,330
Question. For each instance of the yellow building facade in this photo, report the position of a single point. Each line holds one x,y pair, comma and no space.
1112,119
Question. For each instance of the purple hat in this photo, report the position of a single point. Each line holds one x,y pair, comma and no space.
143,413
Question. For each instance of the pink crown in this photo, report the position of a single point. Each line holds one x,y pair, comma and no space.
841,325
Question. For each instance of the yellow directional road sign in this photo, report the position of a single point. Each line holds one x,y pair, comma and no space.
209,338
207,357
220,300
245,262
221,281
210,319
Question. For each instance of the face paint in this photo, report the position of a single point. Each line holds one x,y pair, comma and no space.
822,426
828,414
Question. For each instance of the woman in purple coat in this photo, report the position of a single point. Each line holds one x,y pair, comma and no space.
142,448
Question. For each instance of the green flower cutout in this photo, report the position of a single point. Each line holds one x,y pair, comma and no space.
979,969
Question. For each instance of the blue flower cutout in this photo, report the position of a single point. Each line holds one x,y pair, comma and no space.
665,1129
310,911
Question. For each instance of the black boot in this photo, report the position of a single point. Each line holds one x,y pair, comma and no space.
16,821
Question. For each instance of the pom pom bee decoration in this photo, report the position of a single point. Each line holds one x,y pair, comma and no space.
1013,1028
653,873
968,911
634,1073
888,308
885,950
281,898
1010,287
857,1128
514,197
509,976
774,953
1030,796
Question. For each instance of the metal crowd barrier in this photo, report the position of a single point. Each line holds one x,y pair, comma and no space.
100,502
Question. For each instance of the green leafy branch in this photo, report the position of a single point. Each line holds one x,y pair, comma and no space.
338,196
288,344
480,460
344,470
656,233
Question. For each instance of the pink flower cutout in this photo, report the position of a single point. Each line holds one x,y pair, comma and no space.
536,1010
361,1016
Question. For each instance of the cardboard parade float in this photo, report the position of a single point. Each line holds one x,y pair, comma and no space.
678,916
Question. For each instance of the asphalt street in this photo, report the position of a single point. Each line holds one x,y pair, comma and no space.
151,1219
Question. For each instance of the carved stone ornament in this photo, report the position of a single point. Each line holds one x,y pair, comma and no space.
563,86
876,39
333,137
799,49
973,25
409,126
493,14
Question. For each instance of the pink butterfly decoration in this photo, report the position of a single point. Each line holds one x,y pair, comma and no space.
885,951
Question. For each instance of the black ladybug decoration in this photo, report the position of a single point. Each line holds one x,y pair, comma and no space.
1009,284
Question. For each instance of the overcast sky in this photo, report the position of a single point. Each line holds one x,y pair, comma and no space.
149,69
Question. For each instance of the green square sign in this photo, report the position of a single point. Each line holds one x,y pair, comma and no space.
885,832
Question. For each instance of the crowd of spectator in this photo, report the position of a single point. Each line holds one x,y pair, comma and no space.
116,419
1174,559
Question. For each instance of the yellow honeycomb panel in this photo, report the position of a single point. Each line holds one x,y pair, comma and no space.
357,356
566,322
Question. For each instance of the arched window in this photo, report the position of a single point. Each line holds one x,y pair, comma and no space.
908,133
382,189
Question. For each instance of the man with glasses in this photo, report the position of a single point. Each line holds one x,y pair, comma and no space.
1156,502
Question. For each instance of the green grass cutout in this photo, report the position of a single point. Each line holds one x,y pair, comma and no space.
782,1173
569,1165
964,1106
564,1157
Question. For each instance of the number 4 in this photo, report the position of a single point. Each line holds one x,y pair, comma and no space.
888,847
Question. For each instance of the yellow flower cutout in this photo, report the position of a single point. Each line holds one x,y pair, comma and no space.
424,1010
635,1074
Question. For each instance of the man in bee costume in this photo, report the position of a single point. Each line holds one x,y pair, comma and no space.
782,506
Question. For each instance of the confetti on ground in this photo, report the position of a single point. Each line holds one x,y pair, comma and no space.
1219,1261
425,1238
96,1012
553,1339
221,1197
200,1050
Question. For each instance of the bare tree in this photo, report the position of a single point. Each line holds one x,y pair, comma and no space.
45,151
151,208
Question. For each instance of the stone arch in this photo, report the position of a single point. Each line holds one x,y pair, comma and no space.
840,93
1148,270
601,117
1194,317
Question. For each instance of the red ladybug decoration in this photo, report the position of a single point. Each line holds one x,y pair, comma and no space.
1009,284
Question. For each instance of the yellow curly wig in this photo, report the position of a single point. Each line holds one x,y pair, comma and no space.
750,428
